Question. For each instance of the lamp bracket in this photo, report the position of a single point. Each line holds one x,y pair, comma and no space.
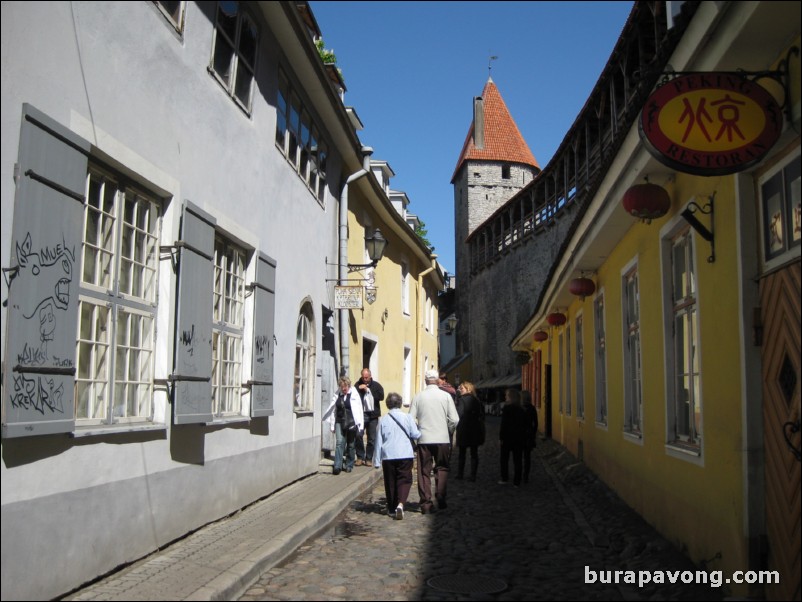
709,235
782,75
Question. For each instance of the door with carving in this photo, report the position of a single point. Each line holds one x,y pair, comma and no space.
780,302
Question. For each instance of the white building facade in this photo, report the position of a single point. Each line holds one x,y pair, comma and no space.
168,332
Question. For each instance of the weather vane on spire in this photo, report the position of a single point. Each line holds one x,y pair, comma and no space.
493,57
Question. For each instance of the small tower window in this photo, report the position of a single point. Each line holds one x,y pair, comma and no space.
505,172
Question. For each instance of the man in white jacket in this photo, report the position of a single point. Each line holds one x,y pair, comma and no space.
434,411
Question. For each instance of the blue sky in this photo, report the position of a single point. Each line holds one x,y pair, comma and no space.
413,68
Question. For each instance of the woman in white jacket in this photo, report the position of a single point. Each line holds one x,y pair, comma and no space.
346,421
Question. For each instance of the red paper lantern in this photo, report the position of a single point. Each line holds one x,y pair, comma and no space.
541,335
582,287
647,201
556,319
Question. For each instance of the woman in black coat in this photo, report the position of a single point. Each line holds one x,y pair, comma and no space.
470,428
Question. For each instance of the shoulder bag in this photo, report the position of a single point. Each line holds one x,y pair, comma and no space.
411,440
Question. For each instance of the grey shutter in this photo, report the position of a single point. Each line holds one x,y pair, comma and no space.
192,388
47,233
264,341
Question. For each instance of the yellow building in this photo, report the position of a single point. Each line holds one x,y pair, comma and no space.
394,333
676,378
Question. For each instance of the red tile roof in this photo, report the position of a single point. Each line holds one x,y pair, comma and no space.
503,140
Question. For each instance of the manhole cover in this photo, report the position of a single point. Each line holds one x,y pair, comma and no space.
467,584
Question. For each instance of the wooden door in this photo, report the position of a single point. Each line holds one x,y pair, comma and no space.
780,302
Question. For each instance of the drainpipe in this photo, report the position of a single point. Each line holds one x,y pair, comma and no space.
418,350
343,255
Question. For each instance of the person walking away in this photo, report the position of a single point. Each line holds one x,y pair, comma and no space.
471,428
395,455
363,385
346,422
530,432
437,418
511,437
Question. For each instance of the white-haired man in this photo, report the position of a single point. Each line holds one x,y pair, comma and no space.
434,411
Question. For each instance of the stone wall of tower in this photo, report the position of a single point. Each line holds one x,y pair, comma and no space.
503,296
480,188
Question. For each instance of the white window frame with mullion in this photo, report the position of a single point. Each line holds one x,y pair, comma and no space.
228,327
568,370
684,424
633,373
298,138
580,368
601,359
173,12
780,213
231,55
115,343
303,386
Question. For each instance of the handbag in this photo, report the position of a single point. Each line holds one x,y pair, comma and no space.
367,401
349,424
414,442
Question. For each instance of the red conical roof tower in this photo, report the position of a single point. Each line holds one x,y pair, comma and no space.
500,139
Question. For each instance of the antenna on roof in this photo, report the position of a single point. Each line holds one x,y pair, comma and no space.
493,57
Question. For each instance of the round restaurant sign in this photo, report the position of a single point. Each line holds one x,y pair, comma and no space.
710,123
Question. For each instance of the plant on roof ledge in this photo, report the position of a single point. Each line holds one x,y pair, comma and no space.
327,55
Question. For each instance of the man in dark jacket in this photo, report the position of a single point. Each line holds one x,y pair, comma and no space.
363,385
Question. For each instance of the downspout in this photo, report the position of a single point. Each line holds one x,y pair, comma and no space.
418,350
342,259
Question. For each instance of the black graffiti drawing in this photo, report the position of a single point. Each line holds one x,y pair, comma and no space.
262,343
51,264
39,393
187,338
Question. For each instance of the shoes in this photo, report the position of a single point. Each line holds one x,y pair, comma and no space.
427,509
335,472
348,470
399,512
359,463
441,505
503,482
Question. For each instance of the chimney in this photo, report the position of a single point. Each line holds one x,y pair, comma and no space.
479,122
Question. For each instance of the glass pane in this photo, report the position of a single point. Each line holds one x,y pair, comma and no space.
223,59
247,40
242,89
227,11
792,196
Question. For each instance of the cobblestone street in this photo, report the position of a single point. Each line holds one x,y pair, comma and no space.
493,542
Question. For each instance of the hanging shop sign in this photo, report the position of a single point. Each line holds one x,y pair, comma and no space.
710,123
347,297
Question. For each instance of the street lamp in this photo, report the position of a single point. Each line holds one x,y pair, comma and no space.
451,324
375,245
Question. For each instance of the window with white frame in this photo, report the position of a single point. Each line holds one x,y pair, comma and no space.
228,327
781,212
118,300
601,360
405,287
303,387
561,371
633,395
685,412
568,370
234,51
580,370
427,315
173,12
298,138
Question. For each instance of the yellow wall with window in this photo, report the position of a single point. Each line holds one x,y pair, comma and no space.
396,330
698,499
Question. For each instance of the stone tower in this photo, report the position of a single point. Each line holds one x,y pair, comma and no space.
495,163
